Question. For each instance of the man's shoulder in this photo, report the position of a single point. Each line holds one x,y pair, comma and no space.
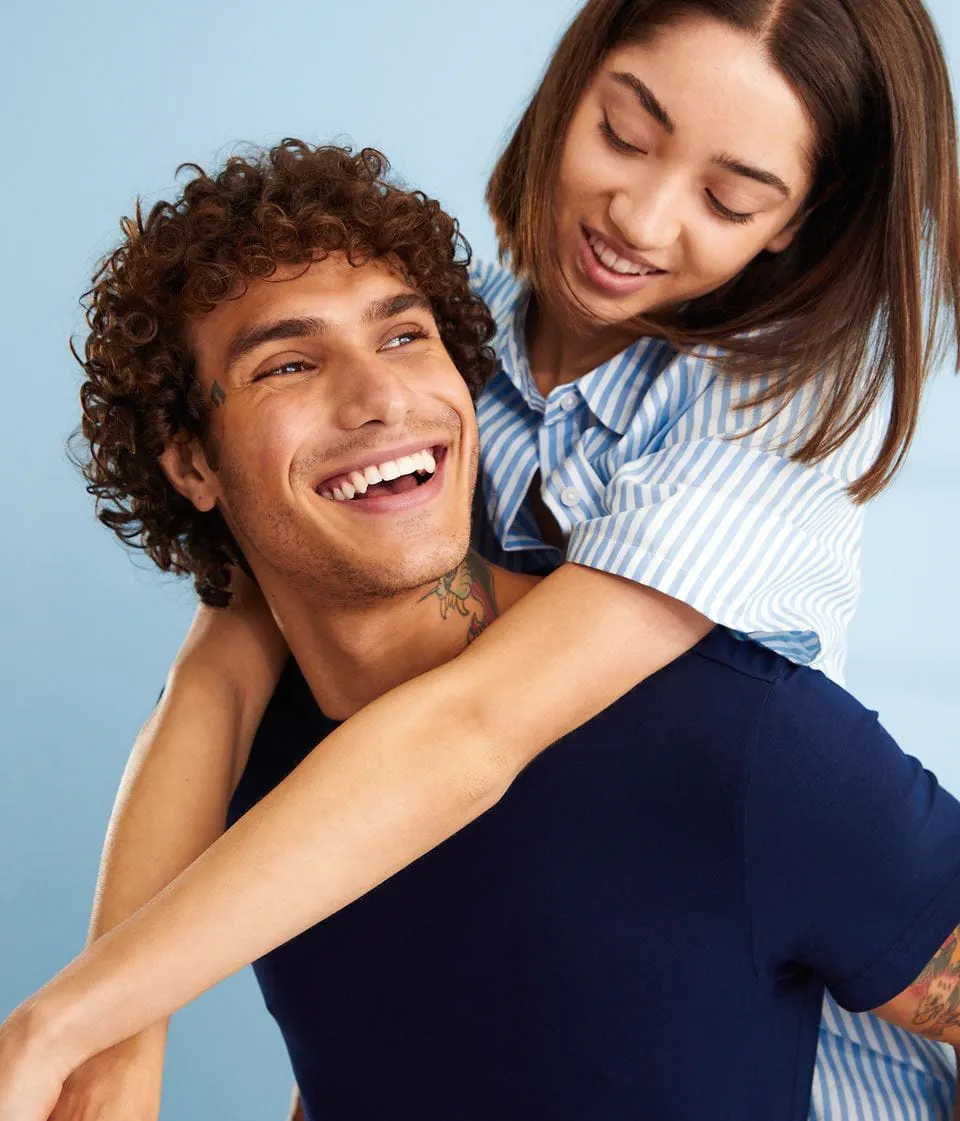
725,654
791,694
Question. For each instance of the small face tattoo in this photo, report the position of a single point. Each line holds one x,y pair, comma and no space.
217,395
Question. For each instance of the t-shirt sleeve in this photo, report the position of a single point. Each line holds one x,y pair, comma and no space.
852,848
713,511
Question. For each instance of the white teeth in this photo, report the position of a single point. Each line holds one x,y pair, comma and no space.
614,263
358,482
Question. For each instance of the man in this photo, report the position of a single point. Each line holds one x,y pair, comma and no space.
640,927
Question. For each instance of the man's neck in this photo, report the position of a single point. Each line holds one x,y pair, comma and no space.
352,655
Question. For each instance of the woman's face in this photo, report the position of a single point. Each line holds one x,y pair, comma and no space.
687,156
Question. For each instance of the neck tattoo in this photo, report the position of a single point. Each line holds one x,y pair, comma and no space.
467,592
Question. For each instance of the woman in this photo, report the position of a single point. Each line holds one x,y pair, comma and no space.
751,177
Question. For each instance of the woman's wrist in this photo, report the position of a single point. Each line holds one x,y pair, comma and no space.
60,1023
33,1030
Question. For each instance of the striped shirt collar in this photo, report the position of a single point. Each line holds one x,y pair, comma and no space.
612,391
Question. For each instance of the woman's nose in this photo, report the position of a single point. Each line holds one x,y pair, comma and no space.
649,219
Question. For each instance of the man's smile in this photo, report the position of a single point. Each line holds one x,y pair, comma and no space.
389,481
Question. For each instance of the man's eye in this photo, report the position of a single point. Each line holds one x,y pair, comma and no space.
295,367
403,338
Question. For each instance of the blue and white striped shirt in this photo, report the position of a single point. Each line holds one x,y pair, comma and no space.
653,473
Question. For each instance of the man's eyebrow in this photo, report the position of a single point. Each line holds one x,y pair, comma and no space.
767,178
294,327
310,326
647,98
390,306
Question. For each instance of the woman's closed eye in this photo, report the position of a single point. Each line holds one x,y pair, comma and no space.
725,212
615,140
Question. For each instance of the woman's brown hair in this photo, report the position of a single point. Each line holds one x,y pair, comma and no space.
869,290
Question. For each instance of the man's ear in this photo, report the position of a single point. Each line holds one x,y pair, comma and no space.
186,467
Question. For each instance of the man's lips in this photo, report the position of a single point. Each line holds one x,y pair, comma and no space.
376,458
385,499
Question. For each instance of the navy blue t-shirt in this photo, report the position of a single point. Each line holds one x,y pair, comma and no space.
642,927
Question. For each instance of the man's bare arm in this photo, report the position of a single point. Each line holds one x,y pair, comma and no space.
931,1005
296,1107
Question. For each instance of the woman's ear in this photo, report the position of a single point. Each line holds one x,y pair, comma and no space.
785,237
186,466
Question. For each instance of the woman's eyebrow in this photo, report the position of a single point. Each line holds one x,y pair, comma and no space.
649,100
646,97
738,167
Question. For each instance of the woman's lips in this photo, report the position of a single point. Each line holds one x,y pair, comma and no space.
609,282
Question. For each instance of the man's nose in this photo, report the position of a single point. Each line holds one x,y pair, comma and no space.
370,391
649,217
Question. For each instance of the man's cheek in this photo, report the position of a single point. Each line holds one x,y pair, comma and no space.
270,441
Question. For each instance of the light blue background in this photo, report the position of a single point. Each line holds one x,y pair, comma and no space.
100,102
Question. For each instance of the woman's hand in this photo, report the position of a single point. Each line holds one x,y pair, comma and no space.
32,1067
123,1083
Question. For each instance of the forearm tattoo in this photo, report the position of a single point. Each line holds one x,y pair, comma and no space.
938,990
467,592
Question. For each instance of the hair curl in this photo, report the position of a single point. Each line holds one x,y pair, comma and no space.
274,207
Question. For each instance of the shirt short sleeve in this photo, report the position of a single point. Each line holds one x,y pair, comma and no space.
707,506
852,848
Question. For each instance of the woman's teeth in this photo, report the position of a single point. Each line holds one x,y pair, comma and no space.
606,256
358,482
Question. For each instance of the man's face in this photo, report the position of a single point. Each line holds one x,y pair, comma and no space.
346,442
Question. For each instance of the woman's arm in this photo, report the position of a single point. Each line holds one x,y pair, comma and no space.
392,782
170,807
296,1107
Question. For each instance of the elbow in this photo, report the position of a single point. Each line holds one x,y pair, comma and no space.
493,756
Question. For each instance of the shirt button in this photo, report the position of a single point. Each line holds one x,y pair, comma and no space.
568,403
570,496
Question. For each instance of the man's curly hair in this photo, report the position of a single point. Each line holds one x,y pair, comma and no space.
276,207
